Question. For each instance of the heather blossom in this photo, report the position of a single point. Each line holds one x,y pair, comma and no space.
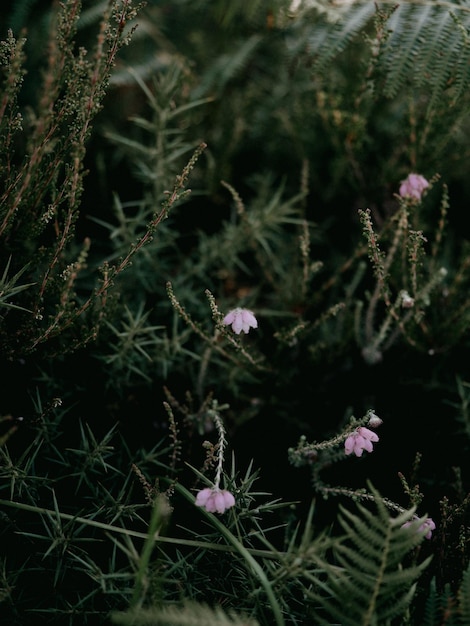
426,527
240,320
215,500
361,439
413,186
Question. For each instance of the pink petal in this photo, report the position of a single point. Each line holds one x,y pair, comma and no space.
428,525
349,444
219,501
368,434
358,450
203,496
249,319
211,505
237,325
229,318
413,186
228,499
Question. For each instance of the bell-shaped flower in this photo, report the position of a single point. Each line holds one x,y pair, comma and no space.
240,320
413,186
426,527
215,500
358,441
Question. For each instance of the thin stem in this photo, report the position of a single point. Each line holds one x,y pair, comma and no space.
221,446
110,528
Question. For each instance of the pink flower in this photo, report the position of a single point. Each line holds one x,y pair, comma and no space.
361,439
215,500
413,186
426,527
240,320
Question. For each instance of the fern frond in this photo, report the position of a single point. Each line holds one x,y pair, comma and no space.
427,44
432,609
440,607
464,598
403,50
368,582
329,39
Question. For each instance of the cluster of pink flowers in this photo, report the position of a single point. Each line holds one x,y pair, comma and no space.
413,186
215,500
361,439
426,527
240,320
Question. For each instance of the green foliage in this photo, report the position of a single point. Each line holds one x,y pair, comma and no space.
42,188
464,597
406,247
192,614
125,548
9,288
422,43
160,166
366,582
446,606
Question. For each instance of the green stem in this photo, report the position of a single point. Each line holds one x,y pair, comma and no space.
160,513
264,554
245,553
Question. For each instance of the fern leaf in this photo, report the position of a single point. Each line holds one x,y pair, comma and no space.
432,609
369,583
403,48
464,597
427,44
330,39
460,72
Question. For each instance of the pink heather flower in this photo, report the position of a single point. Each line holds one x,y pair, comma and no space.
240,320
358,441
426,527
413,186
215,500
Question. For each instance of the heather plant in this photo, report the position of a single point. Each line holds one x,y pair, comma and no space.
225,231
